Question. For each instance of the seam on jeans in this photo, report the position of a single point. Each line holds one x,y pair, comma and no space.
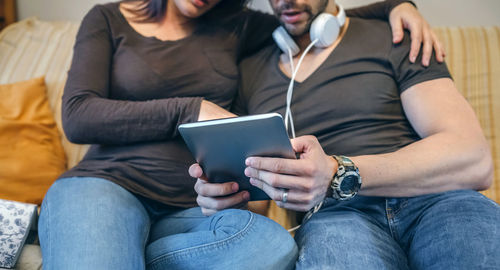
47,230
148,229
184,252
389,219
402,205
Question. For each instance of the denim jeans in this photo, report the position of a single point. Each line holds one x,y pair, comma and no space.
92,223
452,230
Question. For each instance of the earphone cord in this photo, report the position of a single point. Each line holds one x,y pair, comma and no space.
288,112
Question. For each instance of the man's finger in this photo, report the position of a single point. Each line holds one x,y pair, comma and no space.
276,180
276,194
303,143
276,165
208,189
294,206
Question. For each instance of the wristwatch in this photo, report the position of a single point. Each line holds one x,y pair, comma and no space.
346,182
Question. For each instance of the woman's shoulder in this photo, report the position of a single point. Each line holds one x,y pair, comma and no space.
100,13
101,18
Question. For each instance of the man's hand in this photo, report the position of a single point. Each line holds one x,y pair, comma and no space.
407,16
306,180
213,197
210,111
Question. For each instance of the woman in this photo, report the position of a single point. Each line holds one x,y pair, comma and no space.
141,68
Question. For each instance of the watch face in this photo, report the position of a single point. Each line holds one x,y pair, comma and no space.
349,184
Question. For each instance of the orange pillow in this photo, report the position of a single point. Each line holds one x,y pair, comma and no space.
31,152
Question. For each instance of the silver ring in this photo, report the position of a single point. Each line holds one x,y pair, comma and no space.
284,199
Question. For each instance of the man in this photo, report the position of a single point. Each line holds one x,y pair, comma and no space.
396,134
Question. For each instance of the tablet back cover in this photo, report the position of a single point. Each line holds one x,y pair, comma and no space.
221,146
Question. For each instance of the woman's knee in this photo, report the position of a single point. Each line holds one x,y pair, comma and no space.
90,220
266,239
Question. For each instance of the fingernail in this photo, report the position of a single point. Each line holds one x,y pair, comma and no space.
248,161
234,187
246,196
252,181
247,171
412,59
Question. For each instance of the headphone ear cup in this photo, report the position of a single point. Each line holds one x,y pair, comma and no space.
325,28
285,41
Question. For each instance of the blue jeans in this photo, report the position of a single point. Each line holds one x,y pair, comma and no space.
92,223
452,230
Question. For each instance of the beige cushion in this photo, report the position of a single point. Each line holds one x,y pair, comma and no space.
473,57
33,48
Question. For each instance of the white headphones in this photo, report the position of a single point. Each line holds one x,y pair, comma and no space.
325,28
323,32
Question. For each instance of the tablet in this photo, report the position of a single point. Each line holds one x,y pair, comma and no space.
221,146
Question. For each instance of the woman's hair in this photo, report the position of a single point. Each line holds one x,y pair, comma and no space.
154,10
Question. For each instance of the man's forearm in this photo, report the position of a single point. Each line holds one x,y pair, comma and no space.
438,163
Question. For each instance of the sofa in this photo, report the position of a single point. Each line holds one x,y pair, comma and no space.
34,48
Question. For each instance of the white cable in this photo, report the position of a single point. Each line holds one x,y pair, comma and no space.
289,94
293,229
287,112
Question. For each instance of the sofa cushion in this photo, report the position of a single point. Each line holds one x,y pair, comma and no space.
473,57
33,48
31,153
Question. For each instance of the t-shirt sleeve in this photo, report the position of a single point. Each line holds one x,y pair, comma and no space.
90,116
408,74
378,10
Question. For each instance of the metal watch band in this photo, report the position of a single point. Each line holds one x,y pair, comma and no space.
346,169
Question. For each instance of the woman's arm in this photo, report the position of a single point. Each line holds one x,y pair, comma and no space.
91,117
404,15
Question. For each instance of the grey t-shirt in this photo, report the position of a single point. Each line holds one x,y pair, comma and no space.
351,103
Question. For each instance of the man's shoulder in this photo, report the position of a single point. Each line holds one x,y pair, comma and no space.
369,38
371,28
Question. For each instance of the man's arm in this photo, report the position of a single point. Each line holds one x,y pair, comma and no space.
452,154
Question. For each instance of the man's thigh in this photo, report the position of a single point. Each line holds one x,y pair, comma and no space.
346,238
455,230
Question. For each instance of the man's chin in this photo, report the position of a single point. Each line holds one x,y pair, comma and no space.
295,30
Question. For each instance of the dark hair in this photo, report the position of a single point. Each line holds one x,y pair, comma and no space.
154,10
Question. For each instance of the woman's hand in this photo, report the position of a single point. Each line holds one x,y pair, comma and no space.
214,197
407,16
210,110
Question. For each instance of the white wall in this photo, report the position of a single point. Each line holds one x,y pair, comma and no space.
437,12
